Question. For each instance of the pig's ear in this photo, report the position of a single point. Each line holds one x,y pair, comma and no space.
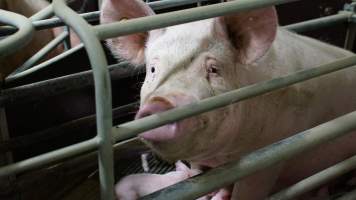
251,33
130,47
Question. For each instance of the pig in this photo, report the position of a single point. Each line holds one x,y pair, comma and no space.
134,186
190,62
137,185
40,39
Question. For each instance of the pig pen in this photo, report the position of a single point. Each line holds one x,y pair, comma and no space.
54,156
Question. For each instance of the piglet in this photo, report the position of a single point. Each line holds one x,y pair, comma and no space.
137,185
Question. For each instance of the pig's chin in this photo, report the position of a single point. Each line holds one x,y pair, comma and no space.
164,133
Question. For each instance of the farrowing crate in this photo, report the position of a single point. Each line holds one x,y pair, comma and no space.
107,134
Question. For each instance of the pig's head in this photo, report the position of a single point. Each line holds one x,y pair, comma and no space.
187,63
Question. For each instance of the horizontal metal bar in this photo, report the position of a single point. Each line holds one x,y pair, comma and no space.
348,196
37,57
316,180
131,129
62,130
94,16
130,26
342,17
159,5
50,157
260,159
21,38
55,86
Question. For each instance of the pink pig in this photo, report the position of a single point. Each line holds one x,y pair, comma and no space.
190,62
137,185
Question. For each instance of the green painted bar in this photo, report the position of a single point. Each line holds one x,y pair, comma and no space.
39,55
93,16
342,17
105,31
43,14
159,5
42,65
316,180
51,87
49,158
102,94
225,175
21,38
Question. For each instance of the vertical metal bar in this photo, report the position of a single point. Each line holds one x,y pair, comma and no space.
4,133
100,2
7,157
350,36
66,43
102,94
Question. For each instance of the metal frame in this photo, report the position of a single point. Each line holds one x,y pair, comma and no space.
107,134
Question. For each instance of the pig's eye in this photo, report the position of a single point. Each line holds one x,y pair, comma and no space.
212,67
153,69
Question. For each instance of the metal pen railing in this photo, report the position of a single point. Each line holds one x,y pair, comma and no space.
203,184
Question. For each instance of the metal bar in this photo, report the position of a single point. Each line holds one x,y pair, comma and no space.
44,64
350,36
50,157
316,180
102,94
94,16
131,129
55,86
21,38
349,196
150,122
43,14
6,157
314,24
159,5
61,130
38,56
143,24
260,159
66,43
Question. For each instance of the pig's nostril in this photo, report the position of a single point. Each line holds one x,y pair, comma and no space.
154,107
144,114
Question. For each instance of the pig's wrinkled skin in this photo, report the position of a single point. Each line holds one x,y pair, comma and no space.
190,62
39,40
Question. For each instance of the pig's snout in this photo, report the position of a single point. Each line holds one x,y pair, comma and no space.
163,133
157,105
